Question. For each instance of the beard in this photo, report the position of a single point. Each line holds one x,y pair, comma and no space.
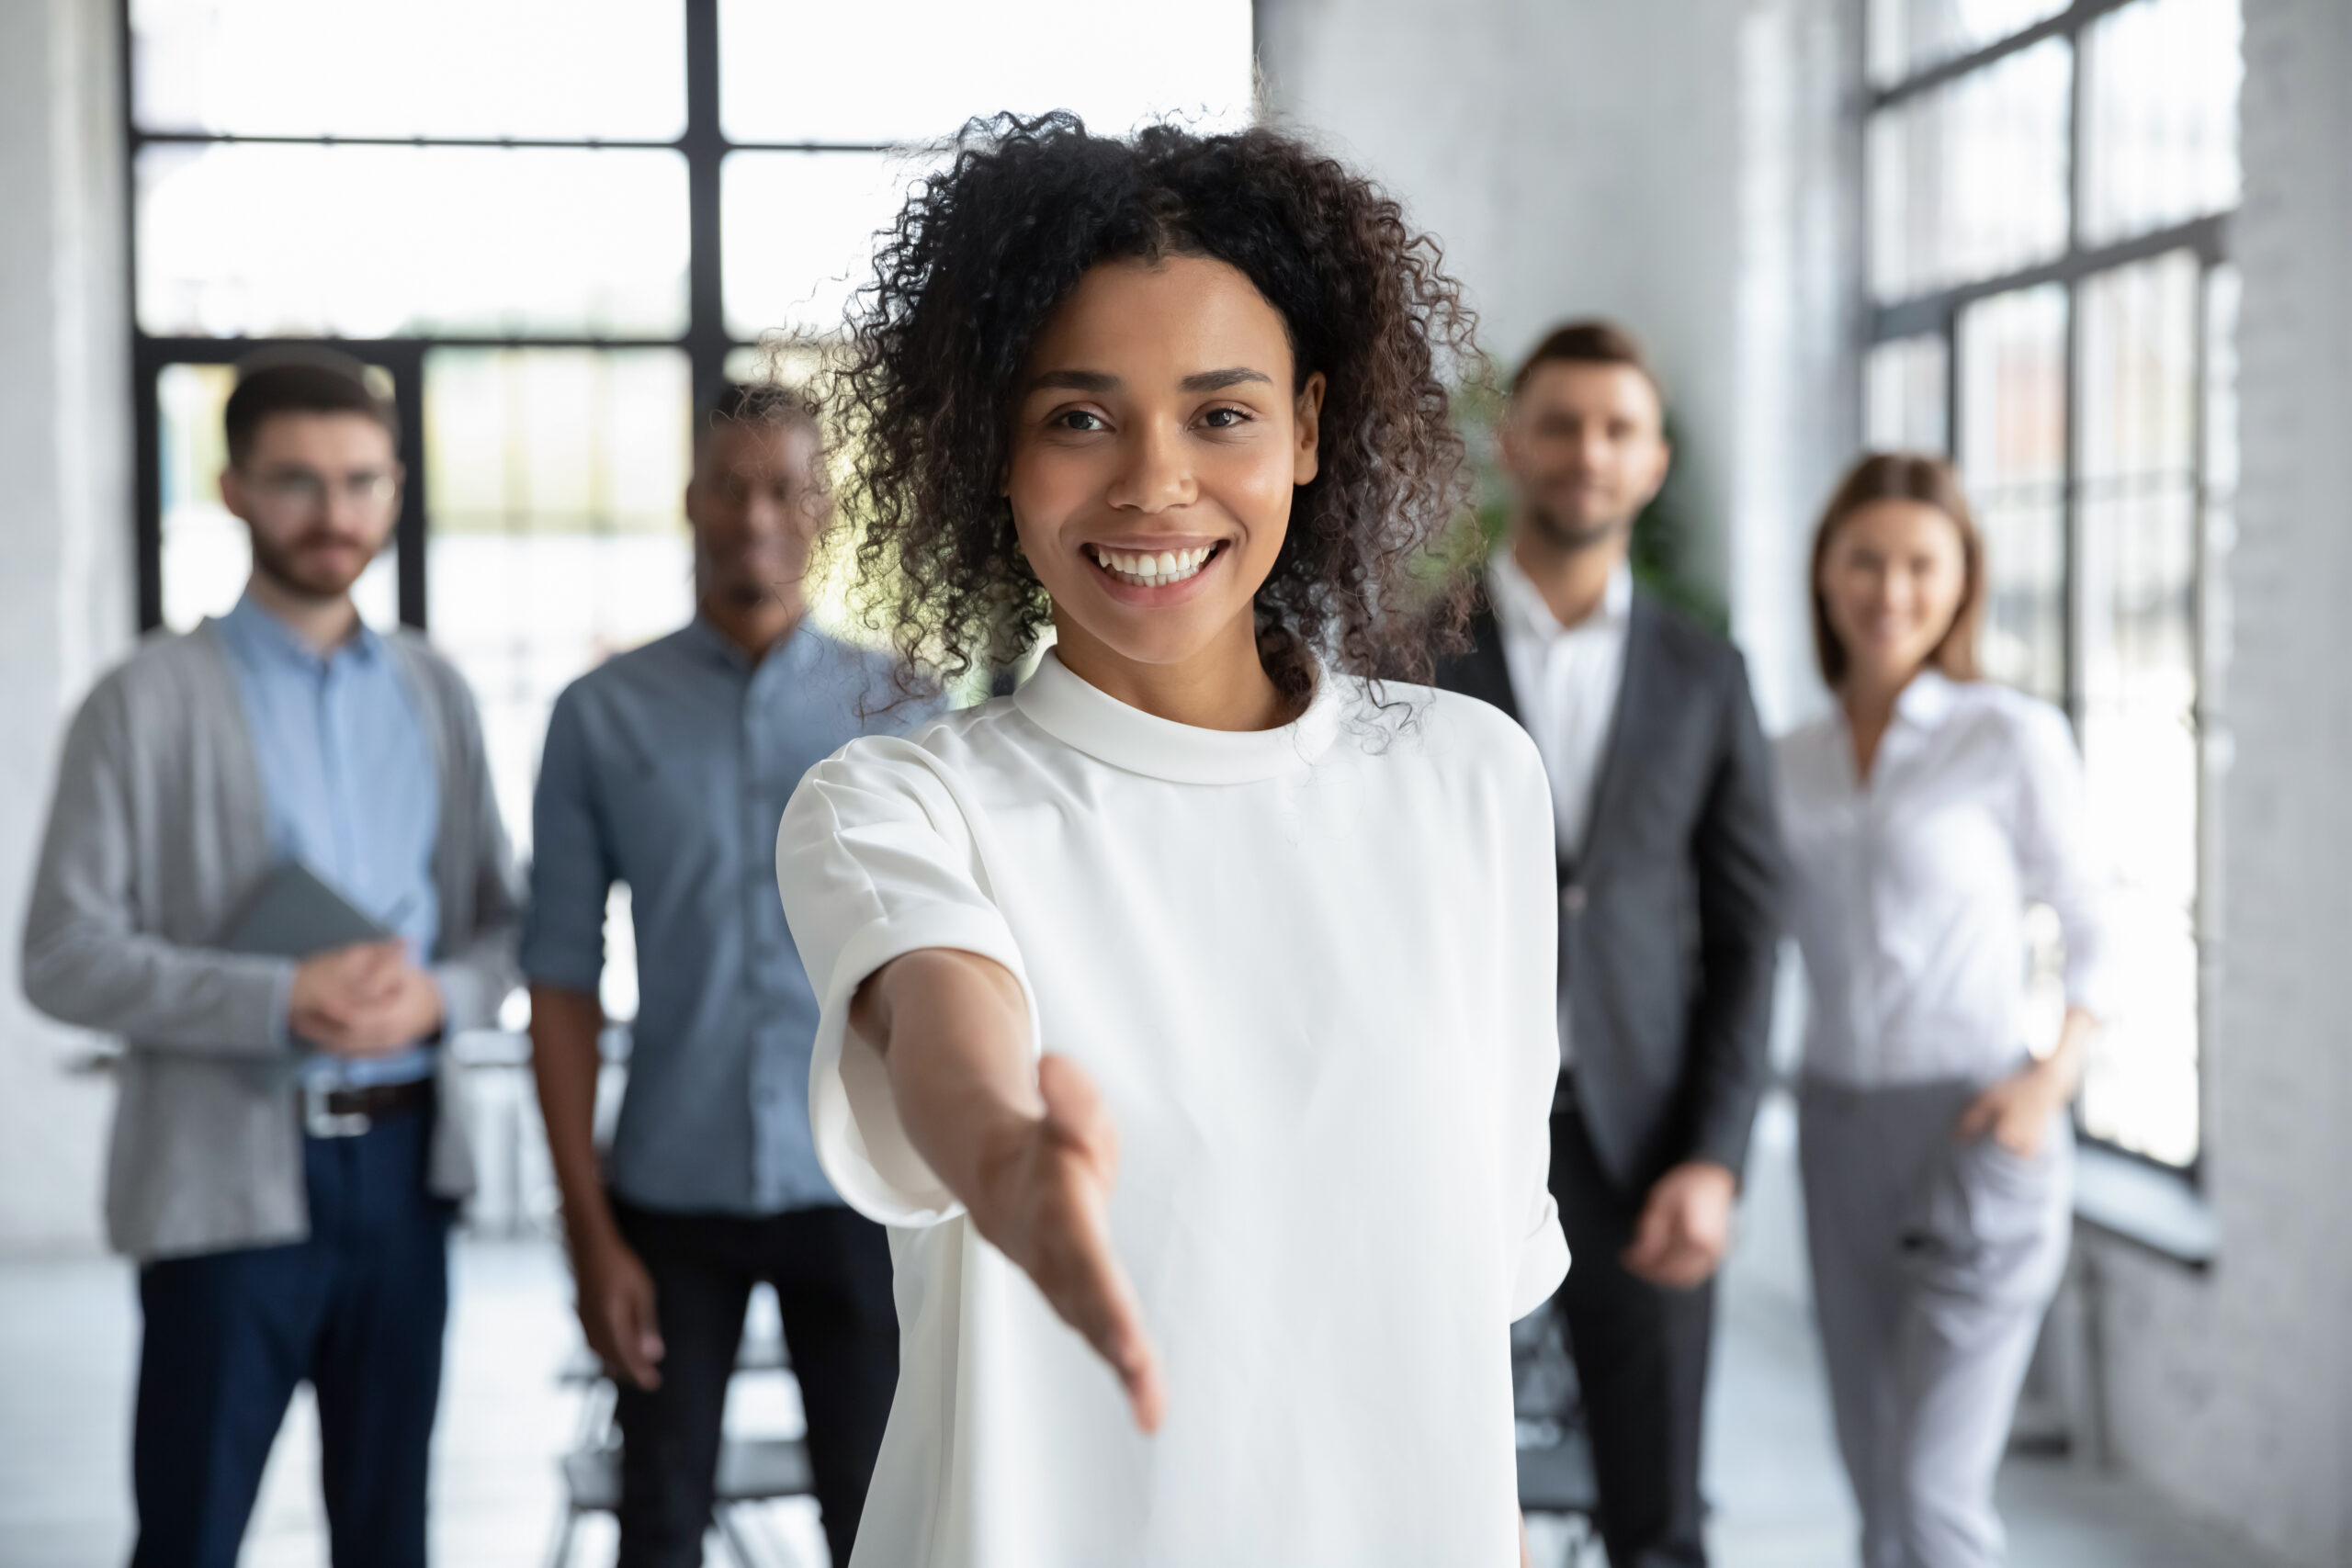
1563,534
740,592
292,565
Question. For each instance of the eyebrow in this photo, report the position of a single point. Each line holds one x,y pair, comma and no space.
1097,382
1218,380
1076,381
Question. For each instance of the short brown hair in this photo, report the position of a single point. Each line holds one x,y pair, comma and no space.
1904,475
770,404
1589,342
315,382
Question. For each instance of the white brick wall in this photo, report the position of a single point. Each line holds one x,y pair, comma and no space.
2235,1392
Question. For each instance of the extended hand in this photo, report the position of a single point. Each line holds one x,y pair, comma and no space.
2016,1112
1685,1226
1046,1208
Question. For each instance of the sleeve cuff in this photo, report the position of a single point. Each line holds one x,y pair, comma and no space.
1543,1262
861,1143
466,1002
281,1007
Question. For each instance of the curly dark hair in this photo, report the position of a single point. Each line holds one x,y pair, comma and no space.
986,249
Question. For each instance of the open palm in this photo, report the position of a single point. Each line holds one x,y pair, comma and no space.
1049,1211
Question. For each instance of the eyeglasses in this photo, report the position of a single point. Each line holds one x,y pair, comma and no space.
309,489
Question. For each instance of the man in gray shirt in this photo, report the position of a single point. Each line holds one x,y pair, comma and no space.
668,769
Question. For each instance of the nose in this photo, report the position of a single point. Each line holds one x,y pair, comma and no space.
1154,475
761,514
345,511
1592,447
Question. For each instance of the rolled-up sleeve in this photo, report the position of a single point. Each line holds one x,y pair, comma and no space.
2059,863
572,866
874,859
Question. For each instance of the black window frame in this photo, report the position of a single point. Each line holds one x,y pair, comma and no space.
1936,314
706,340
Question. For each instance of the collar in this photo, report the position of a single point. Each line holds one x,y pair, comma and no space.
1061,703
251,626
1926,699
718,646
1521,606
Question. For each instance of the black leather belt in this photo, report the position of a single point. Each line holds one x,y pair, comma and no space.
347,1112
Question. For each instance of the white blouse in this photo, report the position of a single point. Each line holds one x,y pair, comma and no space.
1311,970
1909,893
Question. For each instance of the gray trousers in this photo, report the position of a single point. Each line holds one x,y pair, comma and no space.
1933,1263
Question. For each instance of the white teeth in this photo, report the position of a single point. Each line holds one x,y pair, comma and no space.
1153,571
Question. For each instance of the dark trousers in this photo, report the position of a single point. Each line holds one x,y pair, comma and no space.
830,1271
358,1309
1641,1358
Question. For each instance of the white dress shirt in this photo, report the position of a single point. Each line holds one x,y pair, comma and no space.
1565,680
1909,891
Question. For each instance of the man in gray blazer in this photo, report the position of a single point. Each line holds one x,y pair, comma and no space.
1669,866
288,1145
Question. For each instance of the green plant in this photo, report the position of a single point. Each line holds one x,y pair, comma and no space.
1664,545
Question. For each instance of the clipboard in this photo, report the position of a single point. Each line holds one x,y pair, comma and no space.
293,914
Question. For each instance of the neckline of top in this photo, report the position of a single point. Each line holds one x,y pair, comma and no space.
1516,599
1061,703
251,626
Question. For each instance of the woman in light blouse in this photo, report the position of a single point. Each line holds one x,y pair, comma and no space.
1924,814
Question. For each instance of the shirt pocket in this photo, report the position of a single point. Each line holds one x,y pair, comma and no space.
666,816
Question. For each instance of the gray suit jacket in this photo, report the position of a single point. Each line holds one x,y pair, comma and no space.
158,834
1669,921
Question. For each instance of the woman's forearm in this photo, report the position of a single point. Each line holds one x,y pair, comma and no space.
953,1030
2064,1063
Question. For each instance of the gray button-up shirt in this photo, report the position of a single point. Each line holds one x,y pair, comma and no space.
668,768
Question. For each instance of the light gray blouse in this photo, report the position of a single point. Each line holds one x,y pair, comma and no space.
1909,890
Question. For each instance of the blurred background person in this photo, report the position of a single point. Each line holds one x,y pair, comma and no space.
1669,866
1925,812
668,768
284,1168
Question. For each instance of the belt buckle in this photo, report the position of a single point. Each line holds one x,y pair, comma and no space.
321,1123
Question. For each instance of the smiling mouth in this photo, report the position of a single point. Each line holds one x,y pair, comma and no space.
1144,569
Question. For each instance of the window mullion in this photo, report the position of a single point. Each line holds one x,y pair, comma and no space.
705,145
2071,498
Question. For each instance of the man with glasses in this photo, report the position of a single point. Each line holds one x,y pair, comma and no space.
286,1149
668,769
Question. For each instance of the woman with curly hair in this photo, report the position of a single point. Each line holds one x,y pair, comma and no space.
1198,996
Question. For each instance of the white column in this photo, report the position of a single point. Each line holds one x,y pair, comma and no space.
65,544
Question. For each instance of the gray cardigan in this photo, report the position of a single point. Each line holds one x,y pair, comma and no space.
158,833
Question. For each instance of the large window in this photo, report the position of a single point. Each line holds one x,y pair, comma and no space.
2049,191
548,226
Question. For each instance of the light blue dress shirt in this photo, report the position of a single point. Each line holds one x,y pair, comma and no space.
668,768
352,790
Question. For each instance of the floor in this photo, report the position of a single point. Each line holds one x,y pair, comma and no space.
68,1328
